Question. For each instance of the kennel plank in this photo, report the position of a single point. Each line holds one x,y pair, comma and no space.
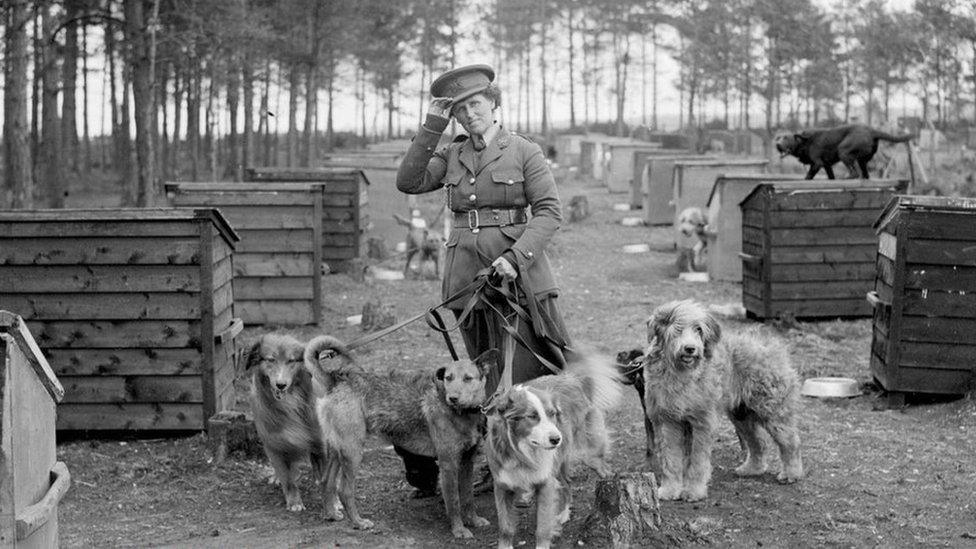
812,241
270,288
272,264
619,174
288,240
88,389
95,251
128,292
131,416
287,311
99,278
121,306
939,252
657,195
126,362
927,250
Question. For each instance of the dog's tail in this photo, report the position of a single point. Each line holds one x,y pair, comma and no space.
877,134
601,379
315,348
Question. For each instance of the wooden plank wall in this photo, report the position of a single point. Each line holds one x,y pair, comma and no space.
345,213
277,266
935,296
116,307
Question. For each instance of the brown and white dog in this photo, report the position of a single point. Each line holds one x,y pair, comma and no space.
436,414
421,240
693,373
283,405
537,430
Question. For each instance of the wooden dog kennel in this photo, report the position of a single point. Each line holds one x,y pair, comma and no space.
32,481
133,308
924,297
808,248
278,261
345,217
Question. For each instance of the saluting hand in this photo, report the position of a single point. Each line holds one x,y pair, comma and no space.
440,106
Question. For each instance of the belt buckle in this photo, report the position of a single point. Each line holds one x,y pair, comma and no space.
473,220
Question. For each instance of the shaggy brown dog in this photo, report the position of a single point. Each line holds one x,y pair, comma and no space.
852,144
537,430
435,414
692,374
283,405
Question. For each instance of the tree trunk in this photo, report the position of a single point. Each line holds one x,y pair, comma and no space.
210,140
330,119
162,125
179,82
247,147
69,77
194,92
626,512
86,163
309,154
138,30
654,77
233,168
36,94
52,165
292,145
542,69
18,177
264,119
572,76
124,162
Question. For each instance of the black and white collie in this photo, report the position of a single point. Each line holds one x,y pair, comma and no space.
537,430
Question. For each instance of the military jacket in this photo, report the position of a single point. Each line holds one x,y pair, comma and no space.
511,174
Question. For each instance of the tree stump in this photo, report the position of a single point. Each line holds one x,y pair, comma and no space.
376,248
626,510
579,208
231,431
377,316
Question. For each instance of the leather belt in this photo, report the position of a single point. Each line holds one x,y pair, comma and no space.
488,217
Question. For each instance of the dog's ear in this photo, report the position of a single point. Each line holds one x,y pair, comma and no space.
660,320
439,374
487,360
711,333
252,355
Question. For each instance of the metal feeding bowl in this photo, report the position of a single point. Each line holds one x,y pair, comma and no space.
830,387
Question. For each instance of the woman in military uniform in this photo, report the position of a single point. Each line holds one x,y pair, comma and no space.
494,180
506,209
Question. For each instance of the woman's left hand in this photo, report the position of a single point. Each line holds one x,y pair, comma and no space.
504,268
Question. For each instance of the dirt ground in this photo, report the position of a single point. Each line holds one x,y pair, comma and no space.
876,477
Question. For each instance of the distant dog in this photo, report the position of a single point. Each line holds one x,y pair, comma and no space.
852,144
692,374
537,430
423,240
631,366
434,414
692,223
283,405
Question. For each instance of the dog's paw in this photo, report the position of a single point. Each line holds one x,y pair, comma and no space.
334,513
296,507
601,467
694,493
669,492
362,524
476,522
751,468
789,476
461,532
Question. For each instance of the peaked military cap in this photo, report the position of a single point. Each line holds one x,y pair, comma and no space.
462,82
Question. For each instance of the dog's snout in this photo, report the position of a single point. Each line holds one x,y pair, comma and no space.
453,400
555,439
281,385
689,349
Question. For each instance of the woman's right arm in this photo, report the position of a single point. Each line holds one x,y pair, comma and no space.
423,168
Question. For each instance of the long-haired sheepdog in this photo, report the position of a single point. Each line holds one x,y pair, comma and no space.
692,373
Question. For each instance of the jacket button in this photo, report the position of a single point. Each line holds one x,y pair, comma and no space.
510,182
471,181
528,254
472,198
